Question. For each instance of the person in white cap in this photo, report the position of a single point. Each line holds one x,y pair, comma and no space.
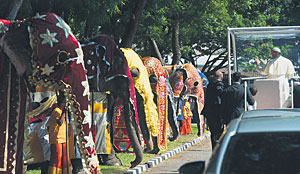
278,67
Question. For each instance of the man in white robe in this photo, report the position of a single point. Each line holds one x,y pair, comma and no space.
278,68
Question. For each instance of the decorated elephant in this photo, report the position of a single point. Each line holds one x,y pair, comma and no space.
186,81
147,110
41,51
108,71
165,109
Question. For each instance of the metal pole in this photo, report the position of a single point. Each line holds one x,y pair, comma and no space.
229,62
234,54
92,124
245,86
292,93
67,125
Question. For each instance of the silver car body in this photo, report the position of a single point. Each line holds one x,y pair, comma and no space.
256,121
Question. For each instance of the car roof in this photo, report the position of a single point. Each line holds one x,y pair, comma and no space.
269,120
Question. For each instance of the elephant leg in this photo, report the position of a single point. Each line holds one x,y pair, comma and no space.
172,121
145,132
77,166
129,119
155,149
197,119
110,159
142,122
44,167
196,115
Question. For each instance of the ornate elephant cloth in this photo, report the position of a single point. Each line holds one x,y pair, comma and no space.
142,84
101,128
12,113
169,69
40,106
175,79
121,139
58,64
154,67
192,79
205,80
114,64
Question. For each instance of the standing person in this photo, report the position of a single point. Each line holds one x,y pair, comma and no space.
253,90
180,117
57,139
233,98
212,106
296,95
187,114
278,67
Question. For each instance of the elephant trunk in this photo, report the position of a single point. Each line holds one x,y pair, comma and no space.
172,122
196,115
129,119
143,124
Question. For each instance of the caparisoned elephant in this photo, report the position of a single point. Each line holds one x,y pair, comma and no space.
147,110
185,80
42,50
108,71
159,88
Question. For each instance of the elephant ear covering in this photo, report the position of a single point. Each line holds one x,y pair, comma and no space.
142,84
58,64
12,113
154,67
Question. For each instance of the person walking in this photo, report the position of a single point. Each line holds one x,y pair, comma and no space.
233,99
212,106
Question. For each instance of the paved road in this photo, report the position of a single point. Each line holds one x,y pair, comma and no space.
199,151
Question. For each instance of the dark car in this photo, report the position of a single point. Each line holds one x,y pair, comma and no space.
259,142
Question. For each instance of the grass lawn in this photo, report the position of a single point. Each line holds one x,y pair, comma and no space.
126,158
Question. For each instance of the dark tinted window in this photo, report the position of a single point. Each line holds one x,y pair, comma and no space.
263,153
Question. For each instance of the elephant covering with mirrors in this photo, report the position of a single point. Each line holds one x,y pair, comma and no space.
109,74
186,81
43,52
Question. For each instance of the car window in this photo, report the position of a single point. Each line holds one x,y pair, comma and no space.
276,153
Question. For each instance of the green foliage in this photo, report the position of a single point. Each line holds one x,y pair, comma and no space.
203,24
250,50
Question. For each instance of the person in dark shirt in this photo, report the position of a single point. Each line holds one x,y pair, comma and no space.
212,106
296,94
233,99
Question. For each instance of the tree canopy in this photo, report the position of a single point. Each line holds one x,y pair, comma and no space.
182,29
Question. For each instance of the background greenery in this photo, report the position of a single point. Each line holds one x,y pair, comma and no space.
200,26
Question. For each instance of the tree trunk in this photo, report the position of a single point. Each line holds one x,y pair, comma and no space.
132,26
12,9
175,43
87,29
155,51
